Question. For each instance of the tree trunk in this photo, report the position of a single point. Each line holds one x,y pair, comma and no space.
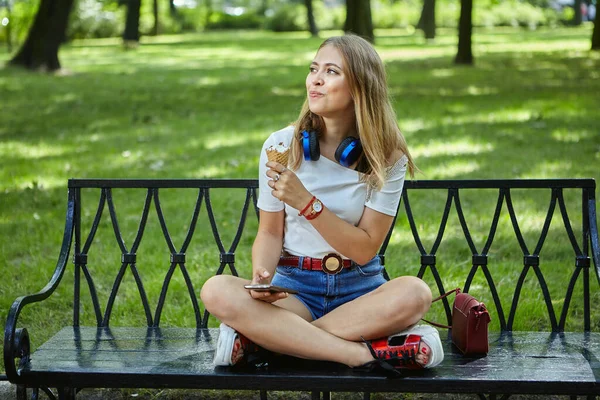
358,19
9,28
40,50
312,25
209,11
172,8
578,17
155,28
465,28
427,20
596,33
131,35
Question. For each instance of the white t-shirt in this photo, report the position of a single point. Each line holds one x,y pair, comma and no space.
339,189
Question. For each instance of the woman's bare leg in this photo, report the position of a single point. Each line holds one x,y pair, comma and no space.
389,309
335,337
276,328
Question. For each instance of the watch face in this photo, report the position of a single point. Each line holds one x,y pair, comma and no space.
317,206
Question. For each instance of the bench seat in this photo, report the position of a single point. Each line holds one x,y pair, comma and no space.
518,362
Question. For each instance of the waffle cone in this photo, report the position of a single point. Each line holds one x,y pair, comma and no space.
280,157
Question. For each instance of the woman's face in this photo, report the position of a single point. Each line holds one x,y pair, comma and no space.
327,86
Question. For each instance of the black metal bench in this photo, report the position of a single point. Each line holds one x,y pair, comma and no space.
542,360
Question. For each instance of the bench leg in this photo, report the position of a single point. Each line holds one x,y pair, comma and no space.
367,396
66,393
263,395
21,392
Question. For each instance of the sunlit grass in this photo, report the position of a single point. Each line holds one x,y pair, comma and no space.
200,106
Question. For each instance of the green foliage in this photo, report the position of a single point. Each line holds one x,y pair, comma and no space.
94,19
222,20
288,18
106,18
511,13
328,18
395,15
22,15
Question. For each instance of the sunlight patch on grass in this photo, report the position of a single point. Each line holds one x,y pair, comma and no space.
231,140
554,168
443,73
415,53
30,181
211,171
458,147
414,124
452,169
571,136
287,91
201,82
23,150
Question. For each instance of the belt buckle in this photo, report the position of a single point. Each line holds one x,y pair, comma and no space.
332,263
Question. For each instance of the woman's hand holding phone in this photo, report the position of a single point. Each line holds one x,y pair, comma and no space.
261,277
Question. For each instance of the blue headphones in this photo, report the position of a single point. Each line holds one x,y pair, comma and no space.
346,154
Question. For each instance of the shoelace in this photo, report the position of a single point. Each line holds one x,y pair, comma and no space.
383,364
406,356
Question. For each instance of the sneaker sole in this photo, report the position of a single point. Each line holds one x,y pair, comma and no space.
431,337
227,336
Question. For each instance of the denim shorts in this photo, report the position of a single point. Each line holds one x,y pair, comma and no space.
321,292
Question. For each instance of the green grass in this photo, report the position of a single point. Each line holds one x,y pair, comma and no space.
200,106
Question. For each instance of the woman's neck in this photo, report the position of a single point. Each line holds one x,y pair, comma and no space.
337,130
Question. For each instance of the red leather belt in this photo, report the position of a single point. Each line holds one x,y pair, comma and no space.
332,263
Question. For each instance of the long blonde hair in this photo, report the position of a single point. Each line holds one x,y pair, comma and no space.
376,122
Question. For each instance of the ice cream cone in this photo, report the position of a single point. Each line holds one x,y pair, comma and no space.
279,153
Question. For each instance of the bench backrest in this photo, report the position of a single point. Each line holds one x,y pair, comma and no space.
430,209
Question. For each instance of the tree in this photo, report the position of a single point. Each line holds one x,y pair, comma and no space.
427,20
131,34
596,33
155,28
47,33
465,30
358,19
312,25
578,17
8,26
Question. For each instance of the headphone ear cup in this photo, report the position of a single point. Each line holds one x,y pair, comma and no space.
348,151
313,146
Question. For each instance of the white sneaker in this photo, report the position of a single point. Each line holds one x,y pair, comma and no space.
225,344
224,350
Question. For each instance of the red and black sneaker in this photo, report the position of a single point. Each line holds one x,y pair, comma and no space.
415,348
233,348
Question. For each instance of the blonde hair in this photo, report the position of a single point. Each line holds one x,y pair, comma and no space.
376,122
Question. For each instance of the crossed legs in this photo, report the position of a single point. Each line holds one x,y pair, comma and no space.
286,326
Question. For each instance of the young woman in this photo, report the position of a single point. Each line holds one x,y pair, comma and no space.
323,217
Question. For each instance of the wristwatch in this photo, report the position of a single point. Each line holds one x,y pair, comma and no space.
314,210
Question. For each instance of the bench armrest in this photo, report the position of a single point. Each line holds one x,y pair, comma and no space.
594,235
16,341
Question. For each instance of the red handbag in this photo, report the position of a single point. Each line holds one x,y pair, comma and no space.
470,319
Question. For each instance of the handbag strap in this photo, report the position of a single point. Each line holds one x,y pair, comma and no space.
457,291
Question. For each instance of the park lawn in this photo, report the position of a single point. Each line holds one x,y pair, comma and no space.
200,106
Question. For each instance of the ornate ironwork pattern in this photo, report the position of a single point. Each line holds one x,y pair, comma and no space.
479,261
531,259
177,255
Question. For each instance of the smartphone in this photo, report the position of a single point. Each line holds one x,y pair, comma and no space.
265,287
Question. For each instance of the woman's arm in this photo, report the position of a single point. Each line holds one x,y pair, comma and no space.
267,246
